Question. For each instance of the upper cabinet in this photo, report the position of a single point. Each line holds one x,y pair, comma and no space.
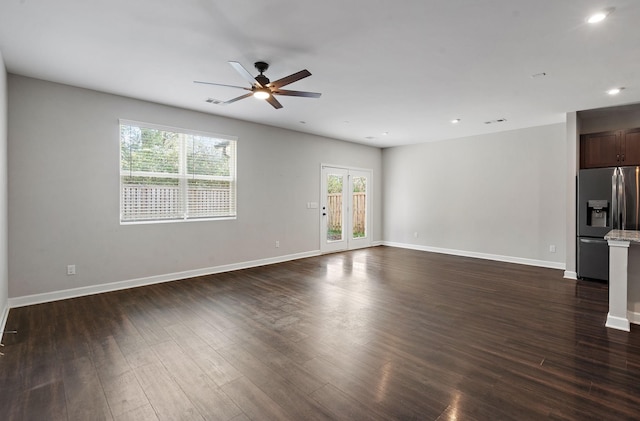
631,151
610,149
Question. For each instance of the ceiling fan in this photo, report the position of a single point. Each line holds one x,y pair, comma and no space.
262,88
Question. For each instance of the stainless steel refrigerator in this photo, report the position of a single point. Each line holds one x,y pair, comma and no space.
608,198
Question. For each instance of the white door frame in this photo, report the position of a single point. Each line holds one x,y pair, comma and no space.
348,242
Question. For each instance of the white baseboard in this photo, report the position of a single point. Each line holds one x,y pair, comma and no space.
619,323
633,317
486,256
3,319
46,297
133,283
570,275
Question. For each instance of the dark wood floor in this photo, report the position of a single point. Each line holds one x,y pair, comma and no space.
375,334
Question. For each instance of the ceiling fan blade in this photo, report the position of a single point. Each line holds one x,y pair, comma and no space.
274,102
245,74
221,84
238,98
290,79
297,93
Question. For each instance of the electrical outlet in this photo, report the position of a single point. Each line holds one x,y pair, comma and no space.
552,248
71,269
415,234
277,244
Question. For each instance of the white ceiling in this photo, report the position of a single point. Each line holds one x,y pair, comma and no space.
406,67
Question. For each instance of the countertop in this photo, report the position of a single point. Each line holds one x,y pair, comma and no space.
623,235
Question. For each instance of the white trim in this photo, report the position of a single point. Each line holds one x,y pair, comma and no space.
619,323
171,221
344,167
3,319
46,297
633,317
133,283
486,256
568,274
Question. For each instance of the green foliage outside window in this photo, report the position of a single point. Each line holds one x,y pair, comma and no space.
158,151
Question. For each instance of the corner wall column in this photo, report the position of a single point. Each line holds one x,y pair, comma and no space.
573,143
618,264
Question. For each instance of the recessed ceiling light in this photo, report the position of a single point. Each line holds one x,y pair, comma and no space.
614,91
600,16
455,121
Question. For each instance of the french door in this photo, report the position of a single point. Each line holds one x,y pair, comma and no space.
345,209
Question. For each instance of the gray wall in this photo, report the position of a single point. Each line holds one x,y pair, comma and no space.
501,194
4,273
63,150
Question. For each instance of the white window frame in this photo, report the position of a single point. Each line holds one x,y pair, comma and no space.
182,176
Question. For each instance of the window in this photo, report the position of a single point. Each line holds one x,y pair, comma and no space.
169,174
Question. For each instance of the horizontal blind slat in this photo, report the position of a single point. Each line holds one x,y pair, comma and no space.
167,175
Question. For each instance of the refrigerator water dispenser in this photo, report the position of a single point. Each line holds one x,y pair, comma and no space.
597,211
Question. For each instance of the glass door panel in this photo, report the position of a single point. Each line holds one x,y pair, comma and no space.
334,205
335,217
359,206
345,209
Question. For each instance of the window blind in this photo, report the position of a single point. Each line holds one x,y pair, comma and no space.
169,174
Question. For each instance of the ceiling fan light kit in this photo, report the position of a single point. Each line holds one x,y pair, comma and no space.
261,94
262,87
600,16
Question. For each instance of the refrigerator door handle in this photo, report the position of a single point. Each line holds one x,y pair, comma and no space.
592,240
614,200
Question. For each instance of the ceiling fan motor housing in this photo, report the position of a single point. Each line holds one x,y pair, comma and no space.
262,67
263,80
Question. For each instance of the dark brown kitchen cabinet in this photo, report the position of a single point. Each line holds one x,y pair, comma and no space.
631,153
610,149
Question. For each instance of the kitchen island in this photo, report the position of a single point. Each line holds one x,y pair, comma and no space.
619,242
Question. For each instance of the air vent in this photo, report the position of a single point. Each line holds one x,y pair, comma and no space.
213,101
500,120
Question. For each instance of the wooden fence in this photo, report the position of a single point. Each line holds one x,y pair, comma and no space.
334,206
165,202
148,202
